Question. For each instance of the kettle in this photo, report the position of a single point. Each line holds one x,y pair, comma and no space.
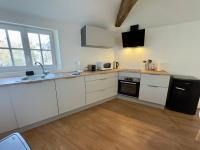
115,65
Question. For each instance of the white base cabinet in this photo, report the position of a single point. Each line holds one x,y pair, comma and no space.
153,94
100,95
70,93
99,87
7,117
24,104
154,88
34,102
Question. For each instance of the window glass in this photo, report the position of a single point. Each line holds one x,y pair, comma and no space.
21,47
47,57
34,42
36,56
15,39
5,58
45,42
3,39
19,58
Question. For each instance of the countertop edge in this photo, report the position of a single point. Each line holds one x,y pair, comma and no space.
83,74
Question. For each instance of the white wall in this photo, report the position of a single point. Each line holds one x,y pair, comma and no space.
70,40
175,47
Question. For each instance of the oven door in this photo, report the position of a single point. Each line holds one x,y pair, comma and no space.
128,88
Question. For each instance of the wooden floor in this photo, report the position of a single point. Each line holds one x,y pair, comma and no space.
119,125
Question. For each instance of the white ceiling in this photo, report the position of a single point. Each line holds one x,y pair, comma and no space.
99,12
147,13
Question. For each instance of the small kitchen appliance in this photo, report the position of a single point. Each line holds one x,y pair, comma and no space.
104,65
91,67
115,65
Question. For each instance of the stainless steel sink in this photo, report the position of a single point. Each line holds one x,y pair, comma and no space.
38,78
41,77
33,78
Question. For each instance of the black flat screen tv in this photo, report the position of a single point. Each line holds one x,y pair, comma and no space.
133,38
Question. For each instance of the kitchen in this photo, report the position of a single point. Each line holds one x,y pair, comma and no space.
64,92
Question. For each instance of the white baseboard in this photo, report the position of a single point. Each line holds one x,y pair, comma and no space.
136,100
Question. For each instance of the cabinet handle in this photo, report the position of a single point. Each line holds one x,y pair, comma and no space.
182,89
103,79
128,82
153,86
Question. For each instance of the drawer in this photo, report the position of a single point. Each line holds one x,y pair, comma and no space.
101,84
153,94
129,74
155,80
100,95
100,76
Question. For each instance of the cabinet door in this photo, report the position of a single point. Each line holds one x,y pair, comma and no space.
70,93
101,84
7,117
34,102
184,96
153,94
100,95
156,80
100,77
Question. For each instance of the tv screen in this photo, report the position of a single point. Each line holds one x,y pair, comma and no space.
133,38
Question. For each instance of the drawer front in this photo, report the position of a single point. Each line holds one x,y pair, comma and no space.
129,74
101,84
100,77
152,94
100,95
155,80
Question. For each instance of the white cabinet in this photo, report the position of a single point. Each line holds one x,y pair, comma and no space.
100,84
100,87
129,74
7,117
34,102
100,95
156,80
100,77
96,37
154,88
70,93
153,94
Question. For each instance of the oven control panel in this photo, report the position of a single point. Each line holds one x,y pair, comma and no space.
130,79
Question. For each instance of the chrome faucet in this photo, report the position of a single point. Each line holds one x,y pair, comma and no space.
43,70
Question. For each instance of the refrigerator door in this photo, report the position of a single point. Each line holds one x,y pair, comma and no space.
183,96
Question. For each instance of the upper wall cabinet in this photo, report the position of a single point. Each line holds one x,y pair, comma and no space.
96,37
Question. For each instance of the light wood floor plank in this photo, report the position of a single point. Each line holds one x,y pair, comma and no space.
119,125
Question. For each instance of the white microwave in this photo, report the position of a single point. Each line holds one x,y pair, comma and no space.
104,65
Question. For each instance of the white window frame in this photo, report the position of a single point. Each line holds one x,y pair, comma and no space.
27,51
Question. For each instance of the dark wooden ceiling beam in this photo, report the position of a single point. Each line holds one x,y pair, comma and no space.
125,8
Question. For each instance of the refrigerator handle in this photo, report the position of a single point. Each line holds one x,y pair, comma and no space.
178,88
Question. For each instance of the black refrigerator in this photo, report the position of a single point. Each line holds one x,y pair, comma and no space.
183,94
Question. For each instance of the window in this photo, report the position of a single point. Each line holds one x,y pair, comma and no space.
21,47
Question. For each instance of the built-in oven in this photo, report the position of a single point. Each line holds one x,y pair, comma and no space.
129,86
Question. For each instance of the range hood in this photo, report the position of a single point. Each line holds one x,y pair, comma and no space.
134,37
